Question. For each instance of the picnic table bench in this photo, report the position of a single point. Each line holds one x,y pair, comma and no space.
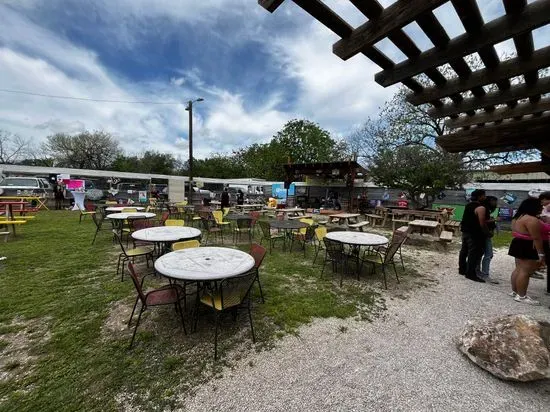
379,216
358,225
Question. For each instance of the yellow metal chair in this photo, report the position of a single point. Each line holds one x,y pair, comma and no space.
218,217
174,222
320,234
188,244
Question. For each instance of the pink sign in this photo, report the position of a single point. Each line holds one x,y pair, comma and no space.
75,184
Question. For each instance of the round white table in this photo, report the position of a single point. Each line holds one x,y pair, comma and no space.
134,215
167,234
358,238
121,208
204,264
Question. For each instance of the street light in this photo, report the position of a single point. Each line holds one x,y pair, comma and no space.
189,108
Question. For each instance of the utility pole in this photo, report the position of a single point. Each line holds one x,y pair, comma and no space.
189,108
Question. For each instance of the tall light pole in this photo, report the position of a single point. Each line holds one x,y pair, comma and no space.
189,108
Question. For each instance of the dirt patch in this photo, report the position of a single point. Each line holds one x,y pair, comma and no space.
116,324
18,344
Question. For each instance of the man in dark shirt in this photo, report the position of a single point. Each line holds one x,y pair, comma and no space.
225,199
490,204
474,234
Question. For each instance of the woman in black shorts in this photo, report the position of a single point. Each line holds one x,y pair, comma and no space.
526,247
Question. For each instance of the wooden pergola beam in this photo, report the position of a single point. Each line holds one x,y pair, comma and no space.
520,91
270,5
519,134
521,109
505,70
528,167
535,15
394,17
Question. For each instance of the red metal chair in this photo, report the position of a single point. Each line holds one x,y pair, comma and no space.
167,295
258,252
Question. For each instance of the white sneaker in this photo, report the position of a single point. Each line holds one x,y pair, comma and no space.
512,294
527,299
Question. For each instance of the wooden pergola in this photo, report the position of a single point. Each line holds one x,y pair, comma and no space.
515,116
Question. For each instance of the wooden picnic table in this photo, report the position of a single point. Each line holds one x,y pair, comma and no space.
425,225
10,220
293,211
348,218
251,206
41,201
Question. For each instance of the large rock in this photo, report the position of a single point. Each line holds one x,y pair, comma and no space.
513,347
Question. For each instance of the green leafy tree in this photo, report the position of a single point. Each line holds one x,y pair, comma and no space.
86,150
217,166
417,169
304,142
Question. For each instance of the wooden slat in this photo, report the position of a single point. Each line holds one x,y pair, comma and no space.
336,24
520,91
372,10
510,134
507,69
500,114
438,36
270,5
394,17
533,16
528,167
470,16
523,42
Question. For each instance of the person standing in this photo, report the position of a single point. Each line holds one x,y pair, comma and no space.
490,204
474,234
224,199
526,247
59,197
240,197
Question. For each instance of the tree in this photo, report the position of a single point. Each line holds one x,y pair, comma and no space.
218,166
86,150
417,169
305,142
13,148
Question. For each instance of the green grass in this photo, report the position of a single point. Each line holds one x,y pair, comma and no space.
65,312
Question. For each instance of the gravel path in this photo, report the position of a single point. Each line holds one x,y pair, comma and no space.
406,360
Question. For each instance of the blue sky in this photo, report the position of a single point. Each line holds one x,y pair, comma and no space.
255,70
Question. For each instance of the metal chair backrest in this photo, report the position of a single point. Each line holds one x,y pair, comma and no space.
218,216
266,229
335,250
397,240
244,223
303,230
164,217
138,224
255,215
310,233
225,211
98,220
320,233
137,283
187,244
119,240
233,291
258,252
174,222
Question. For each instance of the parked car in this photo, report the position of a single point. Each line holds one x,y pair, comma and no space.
26,186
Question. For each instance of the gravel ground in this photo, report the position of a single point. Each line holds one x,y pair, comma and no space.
406,360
